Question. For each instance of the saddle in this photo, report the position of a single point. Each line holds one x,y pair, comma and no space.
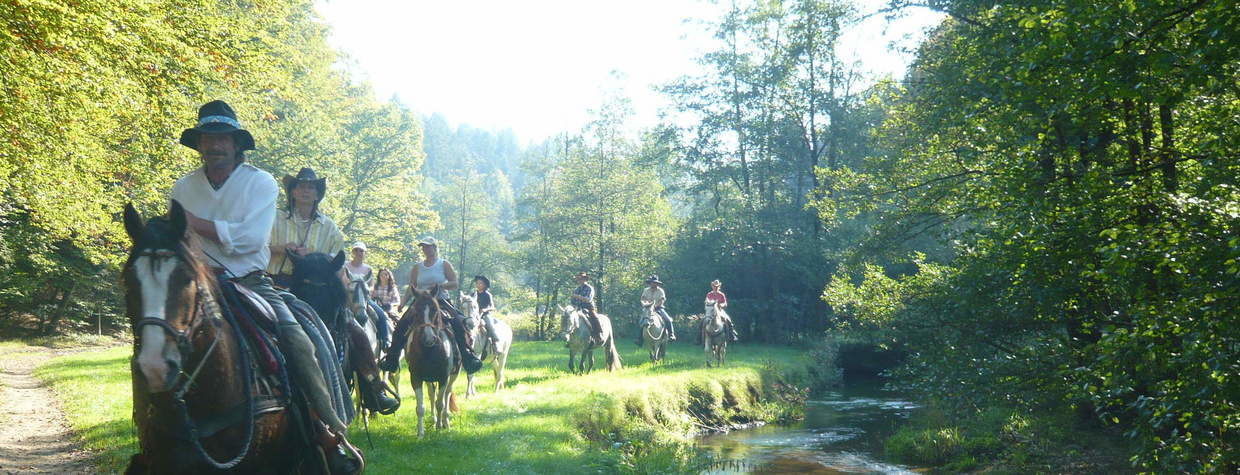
257,321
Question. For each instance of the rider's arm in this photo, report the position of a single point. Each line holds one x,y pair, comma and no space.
251,232
450,274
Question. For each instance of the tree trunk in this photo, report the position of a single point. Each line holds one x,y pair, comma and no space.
54,320
1170,179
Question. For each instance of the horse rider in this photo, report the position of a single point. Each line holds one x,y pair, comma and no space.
583,300
304,229
358,267
486,305
653,296
715,295
434,272
385,292
231,205
301,228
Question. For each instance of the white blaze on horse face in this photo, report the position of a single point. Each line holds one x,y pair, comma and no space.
153,356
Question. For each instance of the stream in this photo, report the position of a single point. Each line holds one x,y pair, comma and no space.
843,432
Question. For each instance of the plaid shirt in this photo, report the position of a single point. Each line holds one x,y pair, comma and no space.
386,296
322,236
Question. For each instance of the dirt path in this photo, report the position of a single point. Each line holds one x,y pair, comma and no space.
34,435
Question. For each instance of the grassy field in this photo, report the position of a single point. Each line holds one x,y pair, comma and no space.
545,421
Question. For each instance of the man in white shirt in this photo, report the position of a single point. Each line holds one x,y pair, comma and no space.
232,205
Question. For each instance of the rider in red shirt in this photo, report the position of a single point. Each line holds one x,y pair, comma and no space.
716,295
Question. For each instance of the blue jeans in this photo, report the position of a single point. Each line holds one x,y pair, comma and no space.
384,331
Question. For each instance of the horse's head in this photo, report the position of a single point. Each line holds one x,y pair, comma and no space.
469,306
359,294
163,283
567,322
425,306
712,308
316,281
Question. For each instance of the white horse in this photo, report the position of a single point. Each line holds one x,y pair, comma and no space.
482,343
714,341
575,329
654,335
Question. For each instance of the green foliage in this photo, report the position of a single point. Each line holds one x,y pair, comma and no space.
775,101
97,94
1074,156
589,205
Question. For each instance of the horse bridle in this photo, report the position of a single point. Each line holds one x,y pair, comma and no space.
205,305
184,338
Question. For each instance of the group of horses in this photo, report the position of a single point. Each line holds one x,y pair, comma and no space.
655,336
199,391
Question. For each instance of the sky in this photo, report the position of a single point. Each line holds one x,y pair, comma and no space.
539,66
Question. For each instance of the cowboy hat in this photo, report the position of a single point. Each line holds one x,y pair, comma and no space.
581,274
358,245
484,279
217,117
654,279
305,175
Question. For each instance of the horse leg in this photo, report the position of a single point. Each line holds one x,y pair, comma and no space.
500,360
469,385
417,388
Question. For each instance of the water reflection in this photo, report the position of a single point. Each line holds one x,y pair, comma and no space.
842,432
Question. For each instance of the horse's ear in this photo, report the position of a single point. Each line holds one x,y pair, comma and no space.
176,215
338,262
133,223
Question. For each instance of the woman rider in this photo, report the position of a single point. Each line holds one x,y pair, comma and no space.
302,229
486,304
430,273
385,292
358,267
717,296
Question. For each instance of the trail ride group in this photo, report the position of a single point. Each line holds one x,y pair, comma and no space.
253,336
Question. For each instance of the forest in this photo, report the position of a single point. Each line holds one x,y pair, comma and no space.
1043,212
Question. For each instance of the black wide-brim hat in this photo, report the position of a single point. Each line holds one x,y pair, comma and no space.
484,279
654,279
217,117
306,174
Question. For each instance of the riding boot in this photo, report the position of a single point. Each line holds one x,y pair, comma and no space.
596,327
299,355
391,363
342,457
671,328
469,358
731,330
374,390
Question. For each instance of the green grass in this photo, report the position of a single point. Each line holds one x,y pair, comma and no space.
546,420
1005,440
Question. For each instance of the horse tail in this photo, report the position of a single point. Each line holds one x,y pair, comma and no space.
452,403
613,356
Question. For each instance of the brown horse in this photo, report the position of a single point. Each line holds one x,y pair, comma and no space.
434,361
195,406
